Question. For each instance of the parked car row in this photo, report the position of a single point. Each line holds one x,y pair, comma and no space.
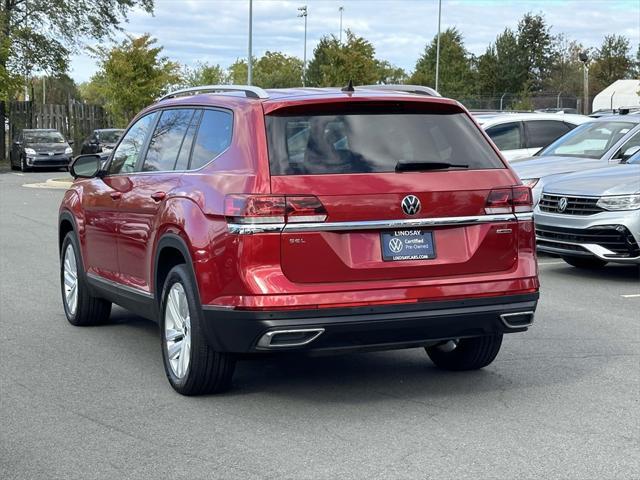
47,148
586,192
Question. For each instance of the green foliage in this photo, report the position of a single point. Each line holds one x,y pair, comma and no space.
132,75
611,62
40,34
334,63
276,70
58,89
389,74
203,74
565,73
535,48
238,72
455,76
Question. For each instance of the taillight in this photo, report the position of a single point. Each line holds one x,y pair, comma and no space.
509,200
273,209
522,199
254,208
305,209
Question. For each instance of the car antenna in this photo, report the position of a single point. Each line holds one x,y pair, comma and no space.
349,87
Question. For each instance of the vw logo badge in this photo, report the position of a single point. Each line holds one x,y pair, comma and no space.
395,245
562,204
411,205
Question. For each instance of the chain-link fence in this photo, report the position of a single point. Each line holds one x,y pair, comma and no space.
513,101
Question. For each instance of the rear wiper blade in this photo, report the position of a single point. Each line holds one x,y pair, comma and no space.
419,166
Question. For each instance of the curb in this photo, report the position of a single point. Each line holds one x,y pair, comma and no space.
57,183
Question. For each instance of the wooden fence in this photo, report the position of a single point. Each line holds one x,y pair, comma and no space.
75,121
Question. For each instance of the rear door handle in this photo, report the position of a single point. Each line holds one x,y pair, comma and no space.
115,195
158,196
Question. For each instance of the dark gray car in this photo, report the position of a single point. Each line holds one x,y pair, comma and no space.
40,148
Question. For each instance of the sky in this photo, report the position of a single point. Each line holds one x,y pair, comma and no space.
216,31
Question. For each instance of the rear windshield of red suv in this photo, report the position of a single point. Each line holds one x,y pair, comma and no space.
373,142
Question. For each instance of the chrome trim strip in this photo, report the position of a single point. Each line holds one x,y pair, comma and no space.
592,248
504,317
111,283
403,223
250,229
267,338
246,229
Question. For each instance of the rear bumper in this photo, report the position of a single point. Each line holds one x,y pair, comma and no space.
371,327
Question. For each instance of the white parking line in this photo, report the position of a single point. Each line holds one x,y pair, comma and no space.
633,295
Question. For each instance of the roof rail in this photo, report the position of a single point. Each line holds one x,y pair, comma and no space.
415,89
250,91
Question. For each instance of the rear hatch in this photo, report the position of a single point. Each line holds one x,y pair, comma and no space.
363,162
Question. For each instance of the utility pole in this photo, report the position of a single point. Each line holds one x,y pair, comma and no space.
438,44
44,89
303,13
250,57
341,9
584,58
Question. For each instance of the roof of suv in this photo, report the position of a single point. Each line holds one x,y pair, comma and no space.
277,97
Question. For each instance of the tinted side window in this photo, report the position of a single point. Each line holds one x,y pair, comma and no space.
214,136
506,136
541,133
126,155
166,140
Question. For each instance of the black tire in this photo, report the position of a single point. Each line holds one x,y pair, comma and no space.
469,354
89,310
585,262
208,371
23,165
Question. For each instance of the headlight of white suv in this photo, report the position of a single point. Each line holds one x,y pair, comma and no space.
68,150
530,182
29,151
620,202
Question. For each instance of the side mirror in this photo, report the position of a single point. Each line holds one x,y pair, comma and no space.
85,166
629,152
17,143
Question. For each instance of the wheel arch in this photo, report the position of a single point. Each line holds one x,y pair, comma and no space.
171,250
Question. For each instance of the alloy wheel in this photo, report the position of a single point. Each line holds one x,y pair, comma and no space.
177,330
70,275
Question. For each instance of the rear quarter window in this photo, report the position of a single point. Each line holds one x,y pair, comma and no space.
373,142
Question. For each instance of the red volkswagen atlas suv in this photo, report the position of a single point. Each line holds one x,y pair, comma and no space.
247,221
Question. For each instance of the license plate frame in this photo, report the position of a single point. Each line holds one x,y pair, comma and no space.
407,245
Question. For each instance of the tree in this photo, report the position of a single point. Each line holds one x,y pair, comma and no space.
203,74
40,34
535,50
611,62
455,75
390,74
238,71
132,75
486,72
510,72
276,70
57,89
565,72
334,63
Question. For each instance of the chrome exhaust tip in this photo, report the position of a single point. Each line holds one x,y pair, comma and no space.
289,338
517,319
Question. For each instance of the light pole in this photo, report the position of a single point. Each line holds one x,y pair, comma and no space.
438,44
341,9
250,57
303,13
584,58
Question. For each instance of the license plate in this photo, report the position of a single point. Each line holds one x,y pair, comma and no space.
407,245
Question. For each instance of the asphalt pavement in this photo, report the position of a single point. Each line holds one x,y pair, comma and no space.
560,401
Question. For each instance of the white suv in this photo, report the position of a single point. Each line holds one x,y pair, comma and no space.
522,135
